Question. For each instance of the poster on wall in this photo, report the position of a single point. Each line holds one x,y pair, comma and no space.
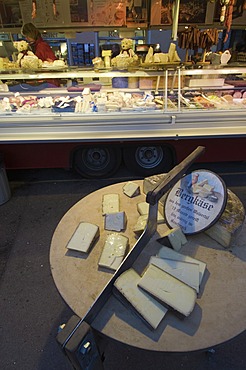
108,13
78,11
190,11
10,13
98,12
44,13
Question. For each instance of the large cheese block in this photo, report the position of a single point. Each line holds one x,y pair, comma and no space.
228,227
150,183
131,189
185,271
84,237
173,238
114,251
166,252
110,203
143,209
150,310
115,221
168,290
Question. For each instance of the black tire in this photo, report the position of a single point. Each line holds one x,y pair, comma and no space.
148,160
97,162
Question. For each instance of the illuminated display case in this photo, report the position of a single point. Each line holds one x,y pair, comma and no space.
150,112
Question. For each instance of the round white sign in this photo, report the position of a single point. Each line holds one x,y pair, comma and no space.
195,202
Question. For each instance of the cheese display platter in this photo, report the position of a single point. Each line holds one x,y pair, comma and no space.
131,324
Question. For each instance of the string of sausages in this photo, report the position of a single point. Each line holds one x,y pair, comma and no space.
34,8
193,38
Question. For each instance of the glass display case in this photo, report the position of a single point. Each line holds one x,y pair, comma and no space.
149,110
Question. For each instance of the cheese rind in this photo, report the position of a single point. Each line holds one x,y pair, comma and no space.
169,290
185,271
226,230
115,221
166,252
114,251
146,306
83,237
131,189
110,203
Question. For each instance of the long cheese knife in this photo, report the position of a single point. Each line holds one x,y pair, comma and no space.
71,338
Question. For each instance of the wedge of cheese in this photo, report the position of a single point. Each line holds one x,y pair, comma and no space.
166,252
115,221
168,290
139,227
143,209
131,189
84,237
173,238
185,271
114,251
110,203
150,183
147,308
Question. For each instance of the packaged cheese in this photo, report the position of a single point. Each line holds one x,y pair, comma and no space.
114,251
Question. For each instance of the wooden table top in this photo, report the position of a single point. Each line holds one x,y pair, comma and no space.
220,310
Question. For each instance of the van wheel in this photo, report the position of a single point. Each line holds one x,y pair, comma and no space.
97,162
148,160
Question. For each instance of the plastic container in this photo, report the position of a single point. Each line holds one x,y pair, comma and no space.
4,184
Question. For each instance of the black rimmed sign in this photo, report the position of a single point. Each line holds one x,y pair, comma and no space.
195,202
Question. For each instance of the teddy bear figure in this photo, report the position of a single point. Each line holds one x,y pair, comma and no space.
26,58
23,50
127,55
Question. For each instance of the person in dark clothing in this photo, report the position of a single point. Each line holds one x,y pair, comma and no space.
40,47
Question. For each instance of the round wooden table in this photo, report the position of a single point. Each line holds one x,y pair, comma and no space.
220,310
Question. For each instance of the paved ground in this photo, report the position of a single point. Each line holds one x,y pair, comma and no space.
31,309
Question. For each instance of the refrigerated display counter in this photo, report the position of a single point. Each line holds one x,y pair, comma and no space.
148,116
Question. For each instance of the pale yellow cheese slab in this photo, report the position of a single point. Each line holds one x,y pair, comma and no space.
146,306
169,290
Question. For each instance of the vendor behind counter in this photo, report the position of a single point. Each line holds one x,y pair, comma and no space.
41,49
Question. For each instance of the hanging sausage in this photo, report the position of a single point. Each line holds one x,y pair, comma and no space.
54,8
228,18
34,9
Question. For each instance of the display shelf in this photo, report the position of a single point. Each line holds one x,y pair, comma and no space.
75,73
173,116
227,70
